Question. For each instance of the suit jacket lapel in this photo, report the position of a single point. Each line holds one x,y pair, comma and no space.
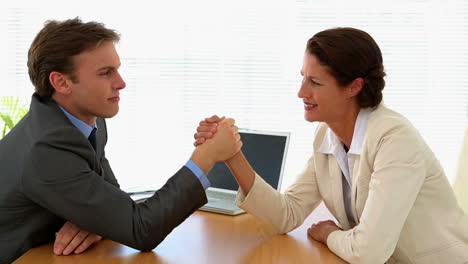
354,188
56,118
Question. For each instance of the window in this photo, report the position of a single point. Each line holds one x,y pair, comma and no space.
185,60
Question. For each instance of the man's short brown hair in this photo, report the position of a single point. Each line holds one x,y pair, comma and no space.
55,45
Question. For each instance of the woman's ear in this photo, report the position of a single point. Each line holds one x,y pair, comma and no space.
60,82
355,87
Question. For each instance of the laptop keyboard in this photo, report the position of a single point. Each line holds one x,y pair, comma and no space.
223,202
220,195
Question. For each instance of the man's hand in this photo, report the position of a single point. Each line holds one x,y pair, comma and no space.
206,129
224,144
238,164
71,239
322,230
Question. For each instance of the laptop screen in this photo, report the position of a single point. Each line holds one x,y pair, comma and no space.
266,152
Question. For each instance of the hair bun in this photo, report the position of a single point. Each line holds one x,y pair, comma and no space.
375,73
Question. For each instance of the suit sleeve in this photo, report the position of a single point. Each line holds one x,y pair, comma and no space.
57,176
108,173
399,172
283,212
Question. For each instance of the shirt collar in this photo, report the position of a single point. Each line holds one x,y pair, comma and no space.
331,143
359,131
84,128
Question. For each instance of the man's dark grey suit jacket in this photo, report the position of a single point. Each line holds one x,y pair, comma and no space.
49,174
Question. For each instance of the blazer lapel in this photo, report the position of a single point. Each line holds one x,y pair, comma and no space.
337,187
354,188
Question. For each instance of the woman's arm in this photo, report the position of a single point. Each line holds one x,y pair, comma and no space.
242,171
283,212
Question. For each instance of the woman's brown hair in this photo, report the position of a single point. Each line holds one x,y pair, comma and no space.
351,53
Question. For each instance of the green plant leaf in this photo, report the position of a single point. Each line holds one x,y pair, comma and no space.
7,120
12,114
19,114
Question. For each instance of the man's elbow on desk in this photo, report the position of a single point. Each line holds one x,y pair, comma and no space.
147,248
147,244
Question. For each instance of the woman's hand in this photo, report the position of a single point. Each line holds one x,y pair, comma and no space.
206,129
322,230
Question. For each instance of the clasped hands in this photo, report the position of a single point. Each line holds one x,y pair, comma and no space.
206,129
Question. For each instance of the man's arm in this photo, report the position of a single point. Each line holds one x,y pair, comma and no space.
97,206
58,178
108,174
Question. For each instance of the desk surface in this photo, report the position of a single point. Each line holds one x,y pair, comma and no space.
208,238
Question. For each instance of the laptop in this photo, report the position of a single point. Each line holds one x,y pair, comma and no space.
266,152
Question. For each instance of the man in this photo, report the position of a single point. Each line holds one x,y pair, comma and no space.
54,168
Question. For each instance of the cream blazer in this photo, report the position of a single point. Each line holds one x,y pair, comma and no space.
405,209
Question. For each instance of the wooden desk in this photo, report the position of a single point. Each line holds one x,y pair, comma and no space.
207,238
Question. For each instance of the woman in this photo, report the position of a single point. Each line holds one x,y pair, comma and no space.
370,166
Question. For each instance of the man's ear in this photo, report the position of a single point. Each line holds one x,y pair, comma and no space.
60,82
355,87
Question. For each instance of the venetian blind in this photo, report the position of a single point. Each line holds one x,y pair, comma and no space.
186,60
